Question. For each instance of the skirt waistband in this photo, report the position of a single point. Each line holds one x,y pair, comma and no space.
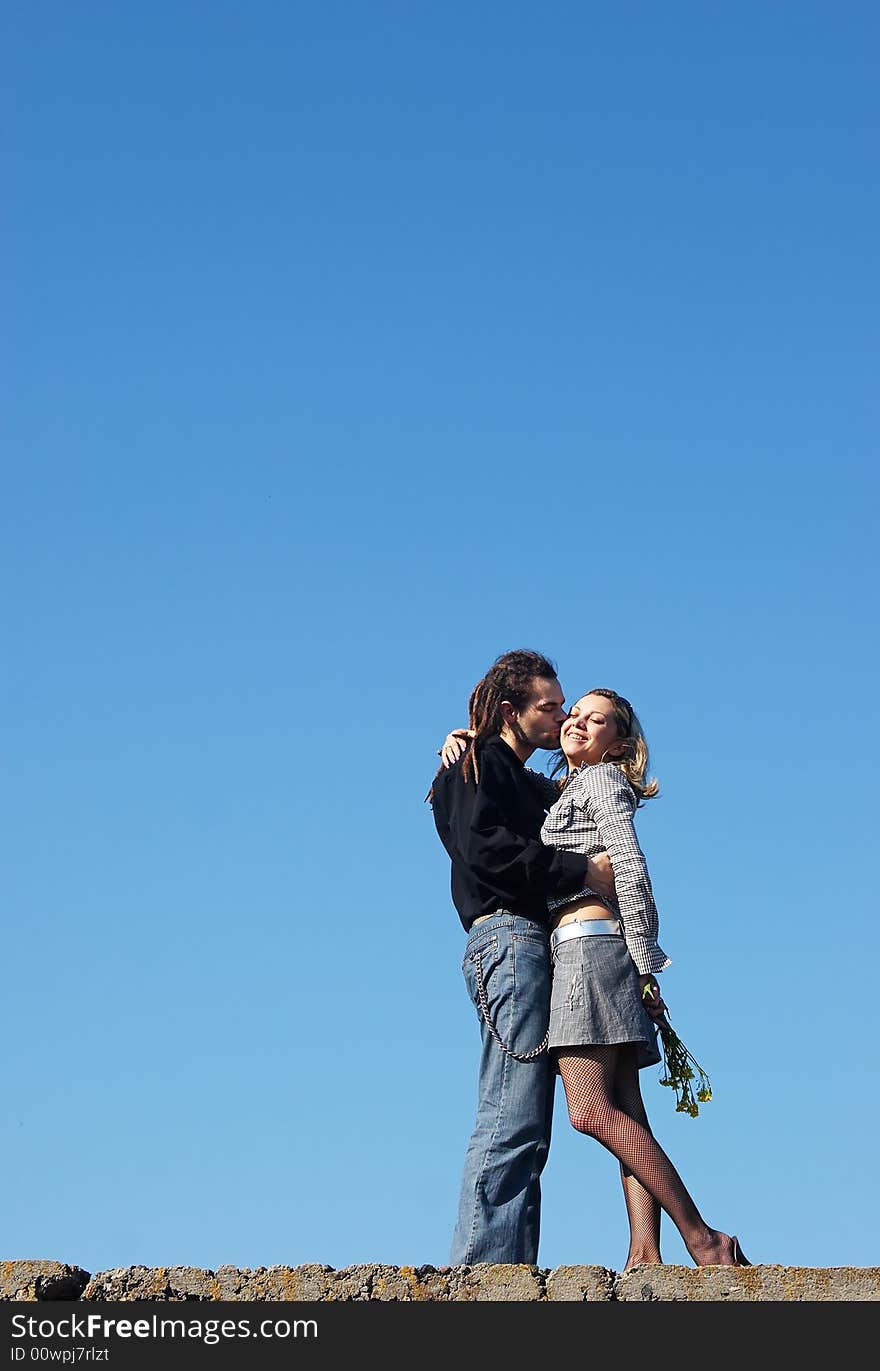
584,928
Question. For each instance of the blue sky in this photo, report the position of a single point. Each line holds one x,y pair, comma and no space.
352,345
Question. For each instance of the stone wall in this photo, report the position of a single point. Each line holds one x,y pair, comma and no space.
47,1280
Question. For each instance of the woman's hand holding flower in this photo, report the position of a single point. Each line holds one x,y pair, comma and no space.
680,1067
655,1005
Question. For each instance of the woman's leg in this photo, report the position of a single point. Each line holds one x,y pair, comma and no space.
642,1209
588,1074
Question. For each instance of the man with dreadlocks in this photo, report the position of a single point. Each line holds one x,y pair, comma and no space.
488,809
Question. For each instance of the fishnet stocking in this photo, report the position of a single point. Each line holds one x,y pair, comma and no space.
642,1209
601,1096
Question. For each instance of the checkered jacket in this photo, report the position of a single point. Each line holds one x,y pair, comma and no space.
593,814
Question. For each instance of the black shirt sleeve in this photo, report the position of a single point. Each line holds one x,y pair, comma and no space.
514,866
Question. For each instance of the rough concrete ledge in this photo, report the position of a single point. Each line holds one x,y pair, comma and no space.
48,1280
41,1281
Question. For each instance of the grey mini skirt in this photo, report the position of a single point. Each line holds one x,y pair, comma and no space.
595,998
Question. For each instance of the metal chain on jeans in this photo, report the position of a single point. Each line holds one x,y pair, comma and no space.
484,1006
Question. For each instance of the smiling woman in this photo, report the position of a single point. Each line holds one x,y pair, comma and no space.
590,731
602,727
605,999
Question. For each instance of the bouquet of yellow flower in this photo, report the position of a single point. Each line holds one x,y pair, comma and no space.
680,1069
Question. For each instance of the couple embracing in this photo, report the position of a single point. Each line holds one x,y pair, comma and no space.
561,959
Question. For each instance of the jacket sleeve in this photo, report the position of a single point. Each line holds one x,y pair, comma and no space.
547,789
609,797
514,866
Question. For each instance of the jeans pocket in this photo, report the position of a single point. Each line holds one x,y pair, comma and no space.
509,982
531,958
486,946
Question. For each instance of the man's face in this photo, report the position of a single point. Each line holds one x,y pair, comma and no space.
542,716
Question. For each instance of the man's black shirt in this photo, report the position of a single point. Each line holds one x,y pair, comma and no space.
490,829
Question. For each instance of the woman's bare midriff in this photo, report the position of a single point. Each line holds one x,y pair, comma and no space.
581,909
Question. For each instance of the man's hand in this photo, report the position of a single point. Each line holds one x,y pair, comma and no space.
600,875
655,1005
454,745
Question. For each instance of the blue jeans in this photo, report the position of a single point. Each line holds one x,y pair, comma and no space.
499,1212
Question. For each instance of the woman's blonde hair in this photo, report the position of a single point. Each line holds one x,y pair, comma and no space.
634,760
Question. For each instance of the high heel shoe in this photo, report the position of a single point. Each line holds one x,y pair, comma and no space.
739,1258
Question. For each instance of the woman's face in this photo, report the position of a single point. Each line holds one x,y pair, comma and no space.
589,732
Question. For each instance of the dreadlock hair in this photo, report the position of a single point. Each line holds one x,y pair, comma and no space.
633,761
509,678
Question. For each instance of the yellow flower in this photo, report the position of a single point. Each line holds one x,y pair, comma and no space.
680,1067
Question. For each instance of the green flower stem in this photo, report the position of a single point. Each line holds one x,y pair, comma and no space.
681,1069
